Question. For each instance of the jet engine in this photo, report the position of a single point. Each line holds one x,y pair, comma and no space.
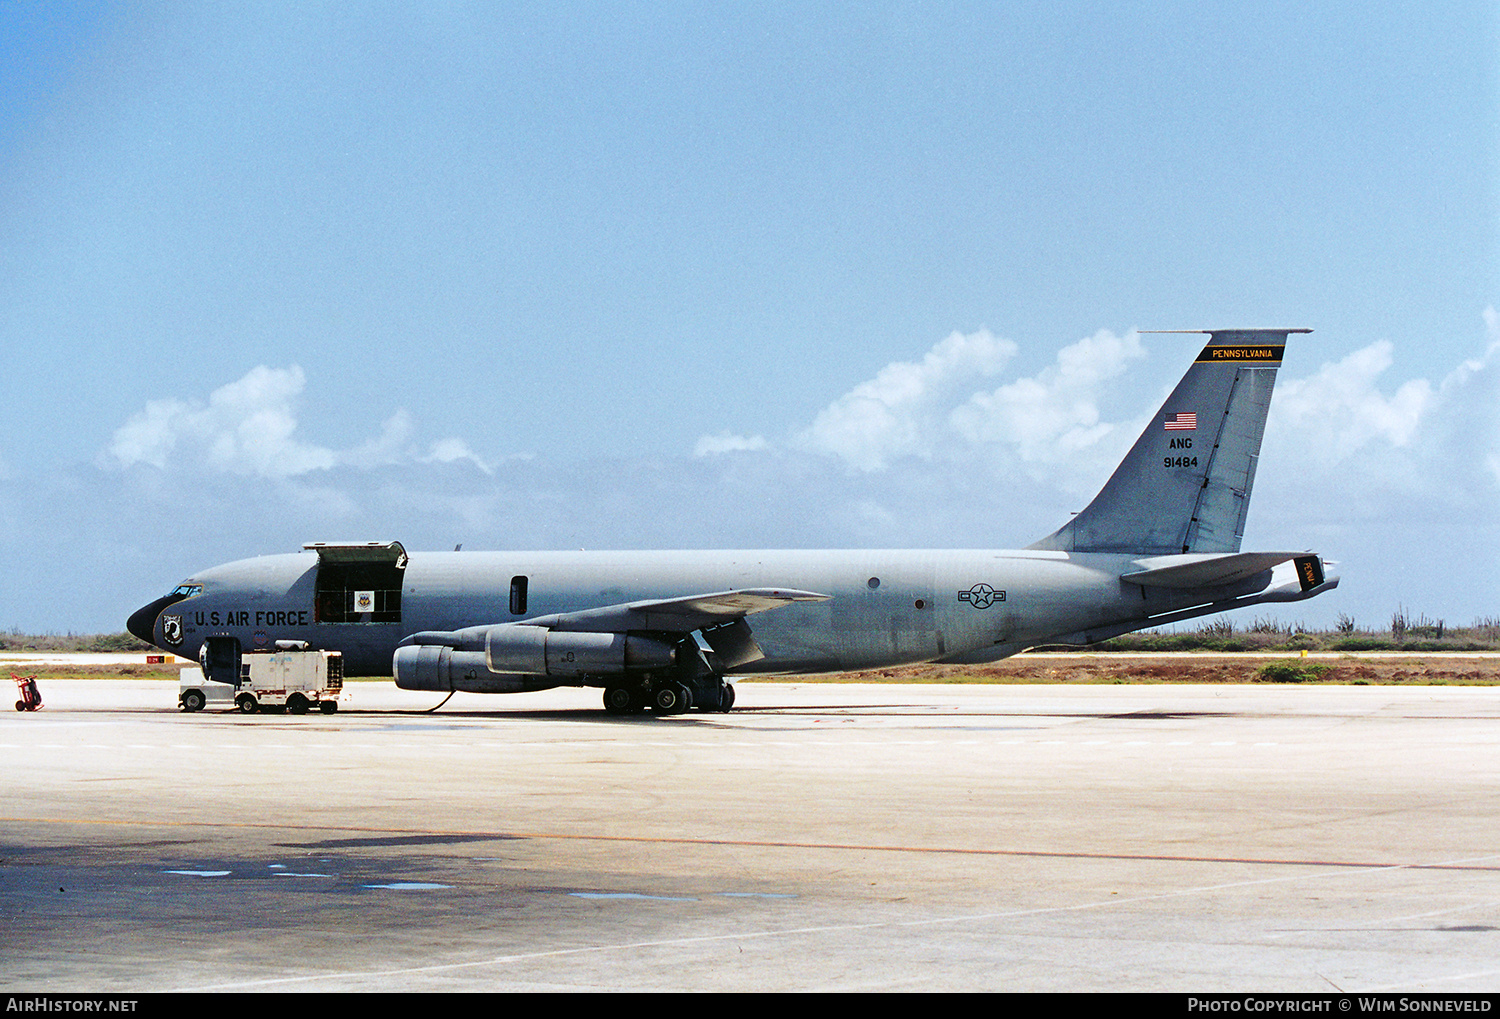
516,658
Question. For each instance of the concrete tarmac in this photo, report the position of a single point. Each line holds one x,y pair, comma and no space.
820,837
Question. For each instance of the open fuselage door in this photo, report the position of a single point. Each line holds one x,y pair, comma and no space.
358,582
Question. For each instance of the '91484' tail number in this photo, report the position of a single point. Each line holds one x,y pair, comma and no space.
1179,461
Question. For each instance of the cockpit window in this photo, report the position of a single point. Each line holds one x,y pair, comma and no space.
187,590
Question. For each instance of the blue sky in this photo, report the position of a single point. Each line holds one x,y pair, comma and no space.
752,275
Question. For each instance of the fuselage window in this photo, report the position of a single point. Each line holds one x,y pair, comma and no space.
518,596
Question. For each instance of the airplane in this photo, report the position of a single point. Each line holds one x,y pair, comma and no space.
668,631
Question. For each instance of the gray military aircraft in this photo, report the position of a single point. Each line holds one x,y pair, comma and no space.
1159,543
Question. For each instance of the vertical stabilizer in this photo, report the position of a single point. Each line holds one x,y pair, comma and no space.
1185,484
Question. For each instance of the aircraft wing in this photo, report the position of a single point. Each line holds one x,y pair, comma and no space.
679,615
608,640
719,614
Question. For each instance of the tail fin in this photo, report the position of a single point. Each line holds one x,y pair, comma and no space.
1185,484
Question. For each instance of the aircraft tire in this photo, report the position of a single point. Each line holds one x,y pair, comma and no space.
193,700
618,701
671,699
726,698
296,704
246,704
665,700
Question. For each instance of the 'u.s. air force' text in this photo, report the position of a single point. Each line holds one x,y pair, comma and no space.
242,617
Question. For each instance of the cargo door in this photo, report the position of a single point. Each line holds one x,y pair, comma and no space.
358,582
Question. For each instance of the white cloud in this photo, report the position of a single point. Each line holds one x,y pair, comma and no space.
902,410
1475,385
391,446
931,409
1055,415
727,442
248,428
1443,436
1399,479
450,450
1340,410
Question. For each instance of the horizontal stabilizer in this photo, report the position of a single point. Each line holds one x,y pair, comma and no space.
1189,571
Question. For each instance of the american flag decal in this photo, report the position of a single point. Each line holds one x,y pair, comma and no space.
1182,422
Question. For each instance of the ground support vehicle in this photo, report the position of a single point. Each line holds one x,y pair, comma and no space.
291,681
194,693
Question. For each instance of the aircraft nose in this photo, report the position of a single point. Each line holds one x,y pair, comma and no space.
142,622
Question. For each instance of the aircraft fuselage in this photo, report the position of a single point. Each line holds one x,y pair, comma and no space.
886,607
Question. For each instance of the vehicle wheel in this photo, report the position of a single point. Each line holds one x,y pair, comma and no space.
328,707
726,697
296,704
617,700
193,700
667,700
246,704
20,705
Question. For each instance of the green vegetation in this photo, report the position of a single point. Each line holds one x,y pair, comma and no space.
1267,634
74,643
47,673
1295,670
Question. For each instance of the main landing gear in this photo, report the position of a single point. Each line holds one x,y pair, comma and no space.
668,696
697,681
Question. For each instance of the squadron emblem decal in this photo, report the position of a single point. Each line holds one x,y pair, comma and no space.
981,596
171,629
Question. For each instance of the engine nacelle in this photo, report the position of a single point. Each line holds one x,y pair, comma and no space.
517,658
430,667
538,651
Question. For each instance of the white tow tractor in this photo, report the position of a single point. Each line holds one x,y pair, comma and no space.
291,680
